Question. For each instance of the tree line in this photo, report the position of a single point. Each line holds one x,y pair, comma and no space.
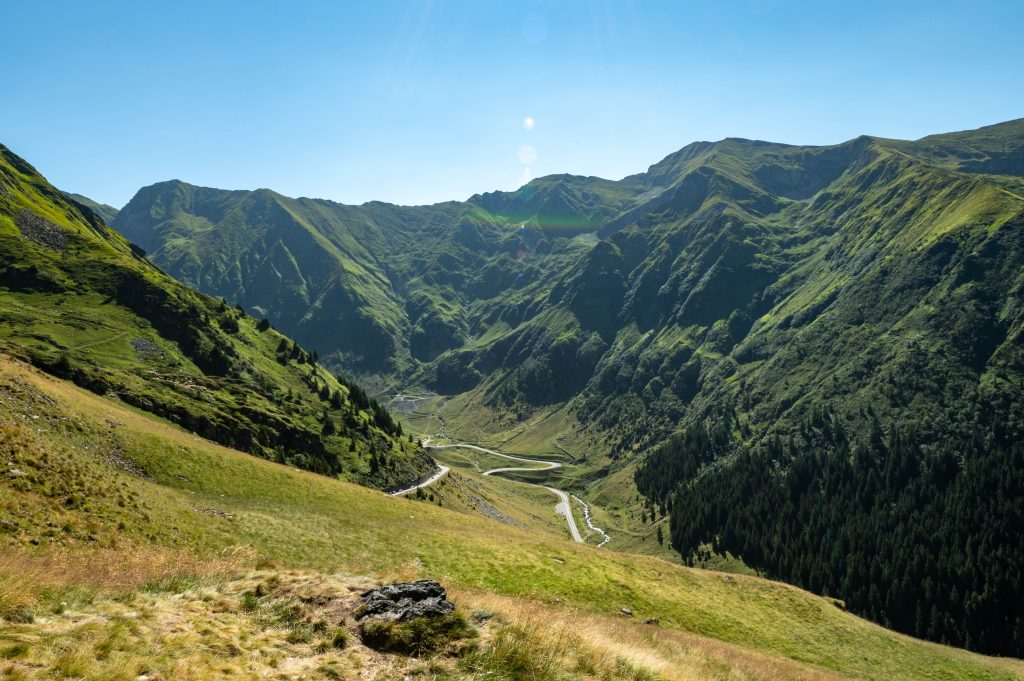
920,533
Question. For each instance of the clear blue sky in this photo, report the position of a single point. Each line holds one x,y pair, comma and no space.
417,102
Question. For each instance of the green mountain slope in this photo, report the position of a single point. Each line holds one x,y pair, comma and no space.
108,522
105,212
772,303
78,300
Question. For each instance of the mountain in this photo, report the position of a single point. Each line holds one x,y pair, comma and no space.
79,301
808,357
105,212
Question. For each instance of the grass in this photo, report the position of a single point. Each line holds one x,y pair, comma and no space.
302,520
420,637
217,629
509,501
531,640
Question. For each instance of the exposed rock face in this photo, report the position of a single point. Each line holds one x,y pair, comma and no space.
41,231
405,601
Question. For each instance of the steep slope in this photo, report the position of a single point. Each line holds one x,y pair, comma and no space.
409,283
993,150
872,407
80,301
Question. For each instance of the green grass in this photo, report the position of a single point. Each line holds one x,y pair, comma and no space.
419,637
304,520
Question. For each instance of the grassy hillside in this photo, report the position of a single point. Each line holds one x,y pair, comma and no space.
79,301
90,477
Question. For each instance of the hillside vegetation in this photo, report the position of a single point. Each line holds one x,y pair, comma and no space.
79,301
91,478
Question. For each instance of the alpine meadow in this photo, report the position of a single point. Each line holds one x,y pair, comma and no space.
754,413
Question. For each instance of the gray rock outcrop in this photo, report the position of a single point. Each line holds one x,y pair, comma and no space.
405,601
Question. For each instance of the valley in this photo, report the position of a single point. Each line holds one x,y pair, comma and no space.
324,529
673,398
562,508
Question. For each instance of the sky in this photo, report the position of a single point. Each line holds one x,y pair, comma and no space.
420,102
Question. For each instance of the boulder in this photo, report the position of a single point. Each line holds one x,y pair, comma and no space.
404,601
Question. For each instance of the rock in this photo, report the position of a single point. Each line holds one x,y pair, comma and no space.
213,511
40,230
626,611
144,346
405,601
652,620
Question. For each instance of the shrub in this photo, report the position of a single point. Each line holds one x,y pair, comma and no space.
418,636
341,638
249,602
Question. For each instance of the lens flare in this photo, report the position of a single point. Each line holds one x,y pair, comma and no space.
528,122
527,155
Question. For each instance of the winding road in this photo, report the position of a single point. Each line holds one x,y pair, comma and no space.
563,507
442,470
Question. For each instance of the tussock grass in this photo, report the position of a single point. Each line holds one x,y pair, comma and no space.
531,640
46,582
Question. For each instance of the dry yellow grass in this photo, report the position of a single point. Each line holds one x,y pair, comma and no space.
571,642
113,569
215,629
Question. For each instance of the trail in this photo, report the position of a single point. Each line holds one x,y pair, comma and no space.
101,341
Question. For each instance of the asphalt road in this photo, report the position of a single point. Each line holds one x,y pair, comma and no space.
441,472
562,507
